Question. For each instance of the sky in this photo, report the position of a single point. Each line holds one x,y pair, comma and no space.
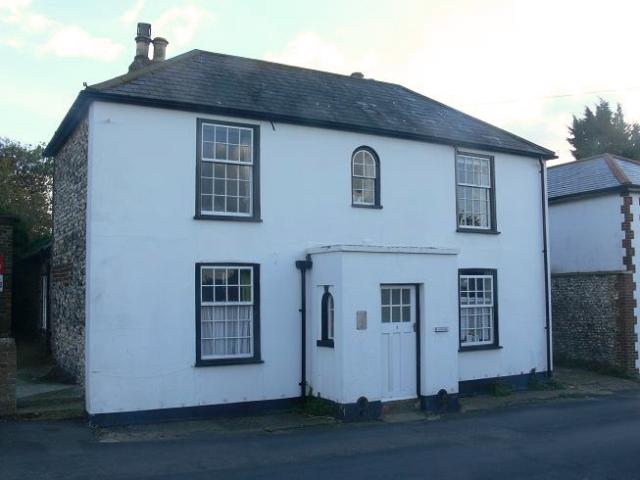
525,66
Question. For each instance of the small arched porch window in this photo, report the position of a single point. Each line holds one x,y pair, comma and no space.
327,319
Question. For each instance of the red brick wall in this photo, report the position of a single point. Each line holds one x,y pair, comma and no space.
626,336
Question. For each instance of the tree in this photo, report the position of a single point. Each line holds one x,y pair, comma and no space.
604,131
26,182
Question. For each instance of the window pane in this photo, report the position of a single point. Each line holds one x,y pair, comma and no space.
221,151
206,185
243,205
406,314
245,153
232,204
386,297
395,296
219,187
206,203
207,294
244,173
386,315
221,134
234,153
245,137
207,276
207,149
207,133
207,169
234,136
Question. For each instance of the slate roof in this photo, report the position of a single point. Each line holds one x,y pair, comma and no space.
599,173
224,84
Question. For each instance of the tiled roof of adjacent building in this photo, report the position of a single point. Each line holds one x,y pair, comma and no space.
229,85
597,174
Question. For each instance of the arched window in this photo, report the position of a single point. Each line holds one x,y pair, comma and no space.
365,178
327,320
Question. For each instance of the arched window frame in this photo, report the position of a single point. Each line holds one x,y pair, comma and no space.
376,180
327,319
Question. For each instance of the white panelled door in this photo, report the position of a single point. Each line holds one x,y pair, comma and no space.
398,316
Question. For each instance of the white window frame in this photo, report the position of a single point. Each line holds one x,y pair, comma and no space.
366,177
238,303
238,163
470,306
487,188
330,317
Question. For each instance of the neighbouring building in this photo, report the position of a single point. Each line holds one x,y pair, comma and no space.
232,234
594,227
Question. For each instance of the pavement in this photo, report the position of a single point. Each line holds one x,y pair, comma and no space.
40,391
595,437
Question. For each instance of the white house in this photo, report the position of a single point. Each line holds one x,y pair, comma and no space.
594,211
233,234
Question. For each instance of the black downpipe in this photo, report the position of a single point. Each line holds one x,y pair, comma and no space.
545,254
303,266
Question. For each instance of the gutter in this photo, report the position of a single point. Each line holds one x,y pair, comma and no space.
545,254
303,266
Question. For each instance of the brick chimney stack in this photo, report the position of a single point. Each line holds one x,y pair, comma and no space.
143,39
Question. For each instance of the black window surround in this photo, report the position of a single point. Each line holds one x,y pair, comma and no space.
256,357
495,344
493,229
327,298
255,191
376,201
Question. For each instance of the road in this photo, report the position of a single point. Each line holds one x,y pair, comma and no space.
569,439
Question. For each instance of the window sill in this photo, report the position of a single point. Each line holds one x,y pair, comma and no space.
228,361
228,218
476,348
325,343
477,230
374,207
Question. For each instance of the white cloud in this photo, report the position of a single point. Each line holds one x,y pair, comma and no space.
310,50
180,24
12,42
132,15
46,35
74,42
502,61
14,5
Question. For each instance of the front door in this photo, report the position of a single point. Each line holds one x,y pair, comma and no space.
398,315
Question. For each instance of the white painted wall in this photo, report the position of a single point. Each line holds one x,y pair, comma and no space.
585,235
362,274
143,244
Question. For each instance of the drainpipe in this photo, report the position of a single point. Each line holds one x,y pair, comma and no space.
303,266
545,254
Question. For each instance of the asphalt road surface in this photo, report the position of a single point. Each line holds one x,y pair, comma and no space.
569,439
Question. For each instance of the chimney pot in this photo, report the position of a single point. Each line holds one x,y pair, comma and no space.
144,30
143,39
159,49
357,75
